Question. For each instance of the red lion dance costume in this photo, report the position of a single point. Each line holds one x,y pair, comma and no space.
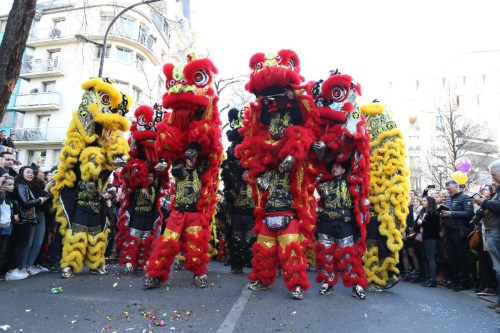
275,149
192,130
140,216
343,142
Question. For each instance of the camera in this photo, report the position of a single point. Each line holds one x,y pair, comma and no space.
477,217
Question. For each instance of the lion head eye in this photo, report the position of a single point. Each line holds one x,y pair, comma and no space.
105,98
258,66
171,83
201,78
141,121
339,93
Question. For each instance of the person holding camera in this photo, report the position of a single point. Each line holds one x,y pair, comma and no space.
488,283
456,221
491,223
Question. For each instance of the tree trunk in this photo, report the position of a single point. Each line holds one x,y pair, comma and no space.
12,48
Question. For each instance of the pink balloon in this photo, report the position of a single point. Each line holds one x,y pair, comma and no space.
463,164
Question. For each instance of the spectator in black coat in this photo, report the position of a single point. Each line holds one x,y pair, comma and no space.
456,221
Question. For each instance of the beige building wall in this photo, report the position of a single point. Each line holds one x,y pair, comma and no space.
64,49
475,79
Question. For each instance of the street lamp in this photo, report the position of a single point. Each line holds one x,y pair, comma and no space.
84,39
105,41
108,29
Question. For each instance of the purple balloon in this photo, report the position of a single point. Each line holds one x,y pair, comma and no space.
463,164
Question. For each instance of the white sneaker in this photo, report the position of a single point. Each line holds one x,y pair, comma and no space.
42,269
33,270
16,274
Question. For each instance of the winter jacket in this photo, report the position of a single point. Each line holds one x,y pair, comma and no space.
462,212
26,200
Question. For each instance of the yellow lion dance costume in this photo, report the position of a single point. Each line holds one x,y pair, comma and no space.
94,147
389,198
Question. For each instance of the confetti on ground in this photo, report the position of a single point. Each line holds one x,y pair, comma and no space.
28,310
56,290
115,284
4,327
155,316
74,321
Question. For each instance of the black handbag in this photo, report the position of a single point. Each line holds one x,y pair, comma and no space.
30,214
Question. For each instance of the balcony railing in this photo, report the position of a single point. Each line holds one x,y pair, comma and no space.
54,33
46,67
38,101
129,32
50,134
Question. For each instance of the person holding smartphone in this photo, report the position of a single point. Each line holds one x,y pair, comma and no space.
40,190
24,229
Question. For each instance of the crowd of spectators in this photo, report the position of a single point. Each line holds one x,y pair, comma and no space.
30,242
436,249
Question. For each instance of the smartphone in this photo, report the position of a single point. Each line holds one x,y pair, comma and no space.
431,186
475,195
443,207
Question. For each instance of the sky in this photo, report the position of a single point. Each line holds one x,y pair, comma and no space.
373,41
370,40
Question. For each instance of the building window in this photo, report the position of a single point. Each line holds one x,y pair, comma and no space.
441,162
99,51
43,120
161,87
137,95
37,157
415,183
56,29
143,33
126,27
49,86
122,86
139,62
439,123
3,23
123,55
53,62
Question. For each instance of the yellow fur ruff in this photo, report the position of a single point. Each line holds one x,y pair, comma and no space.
389,191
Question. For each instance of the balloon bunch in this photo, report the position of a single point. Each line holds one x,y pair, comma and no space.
463,165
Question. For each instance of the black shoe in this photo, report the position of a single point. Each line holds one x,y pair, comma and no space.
151,282
431,283
460,287
450,285
391,282
416,279
236,270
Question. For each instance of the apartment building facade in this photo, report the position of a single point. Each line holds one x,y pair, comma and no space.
472,80
64,49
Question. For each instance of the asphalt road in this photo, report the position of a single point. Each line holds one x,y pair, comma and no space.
117,303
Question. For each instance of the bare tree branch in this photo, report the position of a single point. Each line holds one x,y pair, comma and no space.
12,48
460,136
